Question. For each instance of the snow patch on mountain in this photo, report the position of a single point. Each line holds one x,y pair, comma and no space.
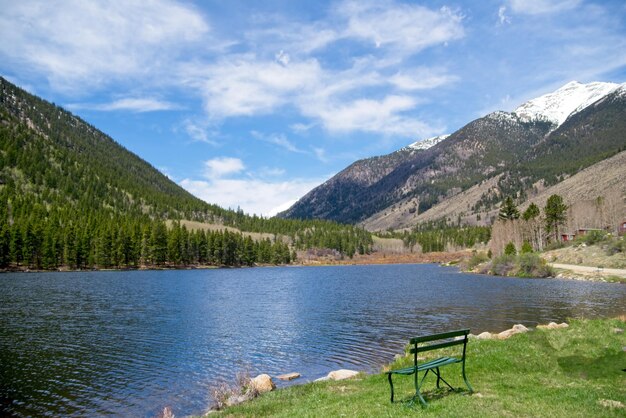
557,106
427,143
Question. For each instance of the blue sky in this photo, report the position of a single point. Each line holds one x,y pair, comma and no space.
252,104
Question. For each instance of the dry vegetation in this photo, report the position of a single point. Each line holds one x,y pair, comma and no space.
605,178
194,226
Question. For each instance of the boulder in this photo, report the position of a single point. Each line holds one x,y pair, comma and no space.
517,329
263,383
553,325
618,330
341,374
289,376
484,336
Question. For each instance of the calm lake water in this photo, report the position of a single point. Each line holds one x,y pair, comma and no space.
130,343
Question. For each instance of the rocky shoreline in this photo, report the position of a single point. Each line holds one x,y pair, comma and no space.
264,383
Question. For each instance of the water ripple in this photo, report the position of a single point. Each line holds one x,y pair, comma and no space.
130,343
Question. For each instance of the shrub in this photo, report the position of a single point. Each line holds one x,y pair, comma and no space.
509,249
615,245
531,265
503,265
526,248
224,394
476,259
592,237
554,246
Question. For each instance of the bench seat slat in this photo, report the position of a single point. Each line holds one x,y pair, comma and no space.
433,364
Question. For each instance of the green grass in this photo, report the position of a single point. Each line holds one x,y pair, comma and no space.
549,373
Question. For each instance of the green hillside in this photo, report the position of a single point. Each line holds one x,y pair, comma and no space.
70,196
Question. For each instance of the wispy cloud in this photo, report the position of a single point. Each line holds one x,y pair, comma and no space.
402,27
279,140
422,78
254,196
222,166
139,105
227,184
536,7
96,42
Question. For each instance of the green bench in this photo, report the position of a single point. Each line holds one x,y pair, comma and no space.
452,338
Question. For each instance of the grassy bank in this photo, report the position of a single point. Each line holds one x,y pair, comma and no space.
575,371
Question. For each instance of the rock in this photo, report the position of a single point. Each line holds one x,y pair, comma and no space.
289,376
398,357
517,329
506,334
553,325
341,374
520,328
167,413
484,336
618,330
263,383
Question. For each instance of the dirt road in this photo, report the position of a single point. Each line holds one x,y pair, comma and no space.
586,269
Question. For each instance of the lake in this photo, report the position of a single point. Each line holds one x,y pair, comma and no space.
131,343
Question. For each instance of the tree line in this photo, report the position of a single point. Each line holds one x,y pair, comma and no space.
440,236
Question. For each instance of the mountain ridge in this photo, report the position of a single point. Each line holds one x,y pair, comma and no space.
511,151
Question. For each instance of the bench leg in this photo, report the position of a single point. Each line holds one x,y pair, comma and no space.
465,379
391,385
438,376
418,394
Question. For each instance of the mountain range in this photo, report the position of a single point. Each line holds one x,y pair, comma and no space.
463,177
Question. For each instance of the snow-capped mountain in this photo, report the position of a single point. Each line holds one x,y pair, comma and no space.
500,154
427,143
557,106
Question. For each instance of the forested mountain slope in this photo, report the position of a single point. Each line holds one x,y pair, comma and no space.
70,196
508,153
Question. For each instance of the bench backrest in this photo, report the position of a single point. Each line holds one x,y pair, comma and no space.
416,341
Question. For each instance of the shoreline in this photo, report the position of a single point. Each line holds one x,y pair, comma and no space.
452,259
275,397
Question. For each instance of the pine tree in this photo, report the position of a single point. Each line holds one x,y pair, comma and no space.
531,212
555,211
508,210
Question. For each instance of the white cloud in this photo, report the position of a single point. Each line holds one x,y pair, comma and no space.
260,83
409,28
222,166
253,196
79,42
282,57
278,140
536,7
131,104
421,78
502,17
242,85
301,128
375,116
320,153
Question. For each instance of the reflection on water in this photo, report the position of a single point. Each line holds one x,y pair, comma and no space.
130,343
